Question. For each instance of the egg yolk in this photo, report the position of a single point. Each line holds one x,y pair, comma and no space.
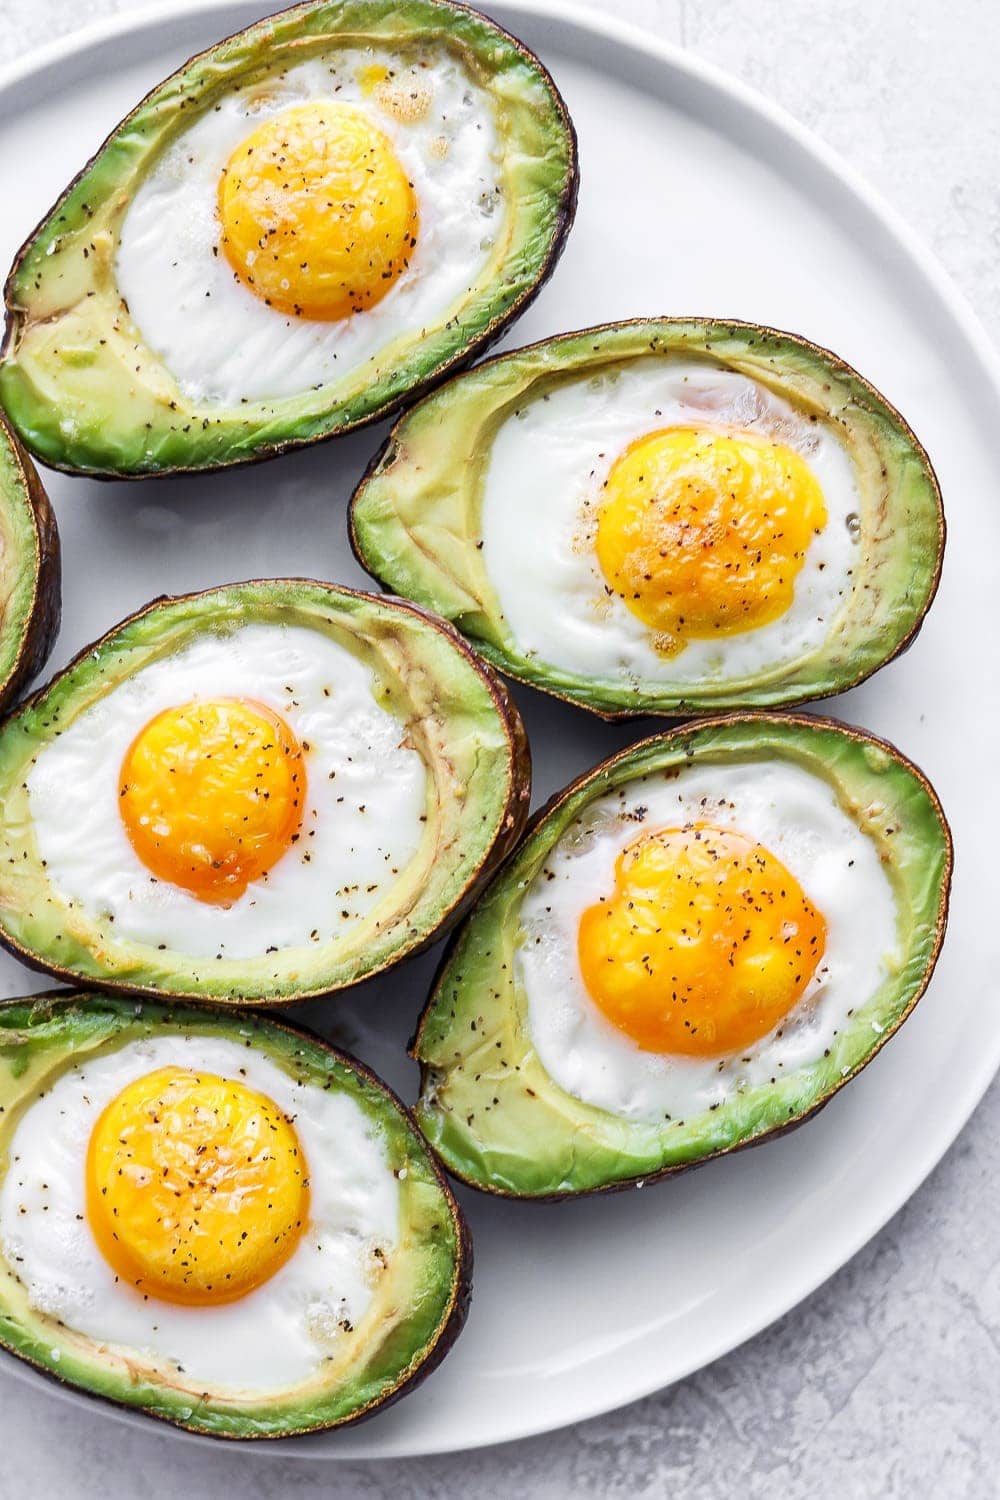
318,215
197,1188
703,533
211,795
704,946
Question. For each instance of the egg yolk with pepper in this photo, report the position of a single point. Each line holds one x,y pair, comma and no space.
703,533
211,794
197,1188
317,213
705,945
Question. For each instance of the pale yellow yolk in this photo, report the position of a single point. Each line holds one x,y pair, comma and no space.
705,945
211,795
197,1188
703,533
318,215
372,77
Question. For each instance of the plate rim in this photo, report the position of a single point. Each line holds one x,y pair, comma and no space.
44,65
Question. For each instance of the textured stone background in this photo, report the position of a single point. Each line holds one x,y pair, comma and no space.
886,1383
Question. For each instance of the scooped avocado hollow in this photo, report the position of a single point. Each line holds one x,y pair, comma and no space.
216,1219
255,794
298,230
694,947
30,572
666,516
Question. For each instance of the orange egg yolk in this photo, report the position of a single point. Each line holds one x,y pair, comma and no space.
197,1188
211,795
704,946
318,215
703,533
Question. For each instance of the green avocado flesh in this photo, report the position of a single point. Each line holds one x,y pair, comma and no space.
419,1303
488,1106
79,381
452,712
417,515
29,570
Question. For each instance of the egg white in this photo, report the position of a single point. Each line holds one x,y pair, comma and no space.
221,342
366,798
793,814
542,491
279,1333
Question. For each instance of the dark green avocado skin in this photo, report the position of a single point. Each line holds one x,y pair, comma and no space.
30,570
493,1114
86,394
416,525
42,1035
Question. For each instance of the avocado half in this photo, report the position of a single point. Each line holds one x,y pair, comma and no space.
493,1114
30,575
454,710
415,517
89,396
419,1309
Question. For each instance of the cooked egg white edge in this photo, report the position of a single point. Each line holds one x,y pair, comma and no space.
548,463
365,802
220,341
278,1334
793,814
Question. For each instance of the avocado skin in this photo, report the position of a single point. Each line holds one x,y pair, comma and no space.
241,602
603,1153
28,513
456,587
107,1014
195,439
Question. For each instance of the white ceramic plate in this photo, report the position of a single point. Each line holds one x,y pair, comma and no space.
700,198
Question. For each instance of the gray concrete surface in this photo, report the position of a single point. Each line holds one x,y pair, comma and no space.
887,1381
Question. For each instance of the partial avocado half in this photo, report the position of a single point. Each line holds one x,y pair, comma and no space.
30,573
422,1288
452,713
488,1105
417,517
89,394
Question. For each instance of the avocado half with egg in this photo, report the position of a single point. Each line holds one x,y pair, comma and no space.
300,228
30,576
313,1265
260,793
663,516
695,946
